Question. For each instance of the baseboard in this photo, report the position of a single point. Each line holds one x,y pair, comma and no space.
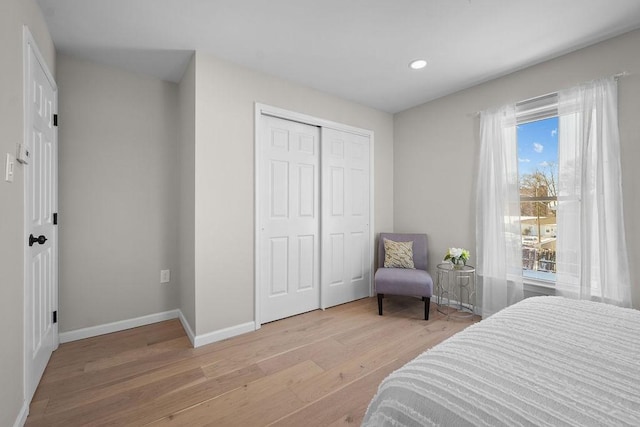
187,328
222,334
22,416
121,325
196,340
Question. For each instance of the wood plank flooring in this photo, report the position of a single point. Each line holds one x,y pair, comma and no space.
317,369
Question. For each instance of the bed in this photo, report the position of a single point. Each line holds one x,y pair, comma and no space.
544,361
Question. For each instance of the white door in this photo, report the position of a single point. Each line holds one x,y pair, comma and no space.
289,218
346,250
41,332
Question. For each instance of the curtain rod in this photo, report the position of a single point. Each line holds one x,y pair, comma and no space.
535,98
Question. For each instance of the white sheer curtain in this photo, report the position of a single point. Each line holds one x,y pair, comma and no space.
498,235
591,255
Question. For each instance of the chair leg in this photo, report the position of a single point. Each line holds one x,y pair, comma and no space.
380,296
427,301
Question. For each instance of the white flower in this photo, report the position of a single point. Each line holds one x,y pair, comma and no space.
455,252
457,255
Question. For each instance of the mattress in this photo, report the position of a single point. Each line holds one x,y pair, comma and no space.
546,361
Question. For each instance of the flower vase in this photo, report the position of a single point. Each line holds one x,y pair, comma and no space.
458,264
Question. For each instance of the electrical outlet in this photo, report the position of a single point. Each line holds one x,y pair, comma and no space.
165,276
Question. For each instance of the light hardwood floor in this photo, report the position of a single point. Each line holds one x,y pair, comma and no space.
317,369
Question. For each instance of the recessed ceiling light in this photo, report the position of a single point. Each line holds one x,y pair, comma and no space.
418,64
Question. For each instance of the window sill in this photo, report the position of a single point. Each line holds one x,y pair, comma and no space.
538,287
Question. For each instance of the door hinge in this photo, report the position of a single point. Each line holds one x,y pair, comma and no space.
55,316
55,218
55,120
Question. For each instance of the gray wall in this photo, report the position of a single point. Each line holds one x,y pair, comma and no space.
118,183
436,146
187,216
224,190
13,15
164,173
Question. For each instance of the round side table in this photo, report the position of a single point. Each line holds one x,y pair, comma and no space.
456,290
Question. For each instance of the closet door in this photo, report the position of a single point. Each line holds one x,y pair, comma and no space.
346,241
289,218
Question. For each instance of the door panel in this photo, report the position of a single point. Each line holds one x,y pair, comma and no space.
336,266
358,260
337,191
289,219
307,180
307,259
346,271
41,203
279,256
279,191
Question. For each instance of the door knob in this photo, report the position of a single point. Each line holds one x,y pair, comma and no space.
40,239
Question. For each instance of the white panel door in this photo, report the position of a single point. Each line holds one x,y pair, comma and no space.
41,333
289,218
346,251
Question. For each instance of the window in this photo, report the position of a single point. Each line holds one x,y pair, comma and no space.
537,136
591,260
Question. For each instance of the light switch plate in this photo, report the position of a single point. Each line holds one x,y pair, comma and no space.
9,168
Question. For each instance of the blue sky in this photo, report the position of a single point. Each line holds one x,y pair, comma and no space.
537,145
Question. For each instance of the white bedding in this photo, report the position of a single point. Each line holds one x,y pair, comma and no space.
544,361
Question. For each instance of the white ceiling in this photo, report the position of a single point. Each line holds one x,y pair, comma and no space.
356,49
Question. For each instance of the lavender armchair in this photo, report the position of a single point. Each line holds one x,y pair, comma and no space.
405,281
